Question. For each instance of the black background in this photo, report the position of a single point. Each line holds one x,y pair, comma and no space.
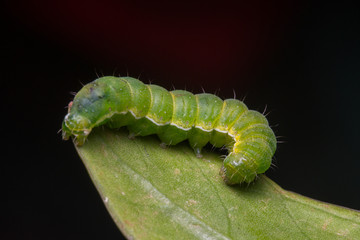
298,59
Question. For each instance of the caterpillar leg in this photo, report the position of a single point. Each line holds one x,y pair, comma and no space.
66,135
198,139
198,152
163,145
132,135
79,139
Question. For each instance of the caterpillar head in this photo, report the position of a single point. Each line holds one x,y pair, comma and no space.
84,112
75,125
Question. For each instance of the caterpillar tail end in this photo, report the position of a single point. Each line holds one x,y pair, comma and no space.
237,170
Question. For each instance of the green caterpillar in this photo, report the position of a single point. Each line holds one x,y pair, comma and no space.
176,116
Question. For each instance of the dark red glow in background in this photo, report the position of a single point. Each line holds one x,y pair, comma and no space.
201,42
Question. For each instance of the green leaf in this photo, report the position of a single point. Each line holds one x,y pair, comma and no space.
157,193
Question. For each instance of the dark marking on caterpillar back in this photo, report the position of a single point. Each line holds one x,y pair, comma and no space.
176,116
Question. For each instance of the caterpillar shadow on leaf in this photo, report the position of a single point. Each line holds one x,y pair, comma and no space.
176,116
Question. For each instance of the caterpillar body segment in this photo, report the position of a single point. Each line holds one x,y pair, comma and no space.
176,116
